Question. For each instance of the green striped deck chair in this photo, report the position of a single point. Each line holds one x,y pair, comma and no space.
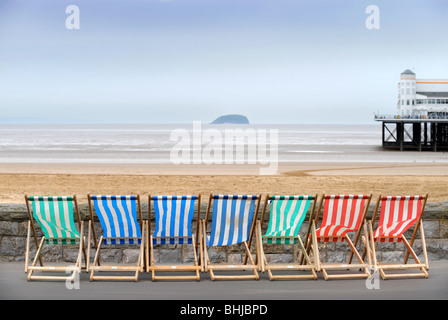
55,216
287,214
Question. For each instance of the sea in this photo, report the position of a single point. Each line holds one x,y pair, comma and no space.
196,142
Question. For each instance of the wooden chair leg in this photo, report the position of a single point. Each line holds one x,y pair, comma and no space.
27,251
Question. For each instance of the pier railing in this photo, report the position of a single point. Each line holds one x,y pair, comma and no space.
379,117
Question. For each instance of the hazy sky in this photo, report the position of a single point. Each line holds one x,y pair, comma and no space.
171,61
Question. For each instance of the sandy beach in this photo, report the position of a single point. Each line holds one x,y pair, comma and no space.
129,159
18,179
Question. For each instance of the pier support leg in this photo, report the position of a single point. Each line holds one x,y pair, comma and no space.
400,134
434,135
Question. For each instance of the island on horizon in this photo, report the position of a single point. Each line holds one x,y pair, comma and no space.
231,118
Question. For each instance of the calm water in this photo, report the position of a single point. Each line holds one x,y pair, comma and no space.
152,143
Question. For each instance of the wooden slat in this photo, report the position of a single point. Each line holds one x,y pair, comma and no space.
51,278
49,268
290,267
295,276
344,266
118,278
233,267
115,268
235,277
175,278
174,268
401,266
405,275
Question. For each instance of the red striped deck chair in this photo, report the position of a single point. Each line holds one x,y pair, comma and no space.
397,215
343,215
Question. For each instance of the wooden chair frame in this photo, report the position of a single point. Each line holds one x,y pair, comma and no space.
197,267
211,268
422,266
293,267
361,265
120,268
30,269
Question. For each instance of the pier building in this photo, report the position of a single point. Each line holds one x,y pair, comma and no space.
421,121
422,97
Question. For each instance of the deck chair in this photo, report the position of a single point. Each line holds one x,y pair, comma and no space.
173,218
397,215
121,221
233,222
343,215
55,216
287,214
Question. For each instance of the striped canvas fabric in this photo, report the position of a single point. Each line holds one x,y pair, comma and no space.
232,219
342,214
118,218
396,216
287,215
55,217
173,219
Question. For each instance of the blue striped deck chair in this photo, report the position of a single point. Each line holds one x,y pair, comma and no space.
287,214
121,222
55,216
173,225
233,222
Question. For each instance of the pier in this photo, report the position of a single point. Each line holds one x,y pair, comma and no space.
418,134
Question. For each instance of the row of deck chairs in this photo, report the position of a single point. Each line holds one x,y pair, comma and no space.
234,222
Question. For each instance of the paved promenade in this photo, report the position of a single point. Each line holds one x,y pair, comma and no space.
13,285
